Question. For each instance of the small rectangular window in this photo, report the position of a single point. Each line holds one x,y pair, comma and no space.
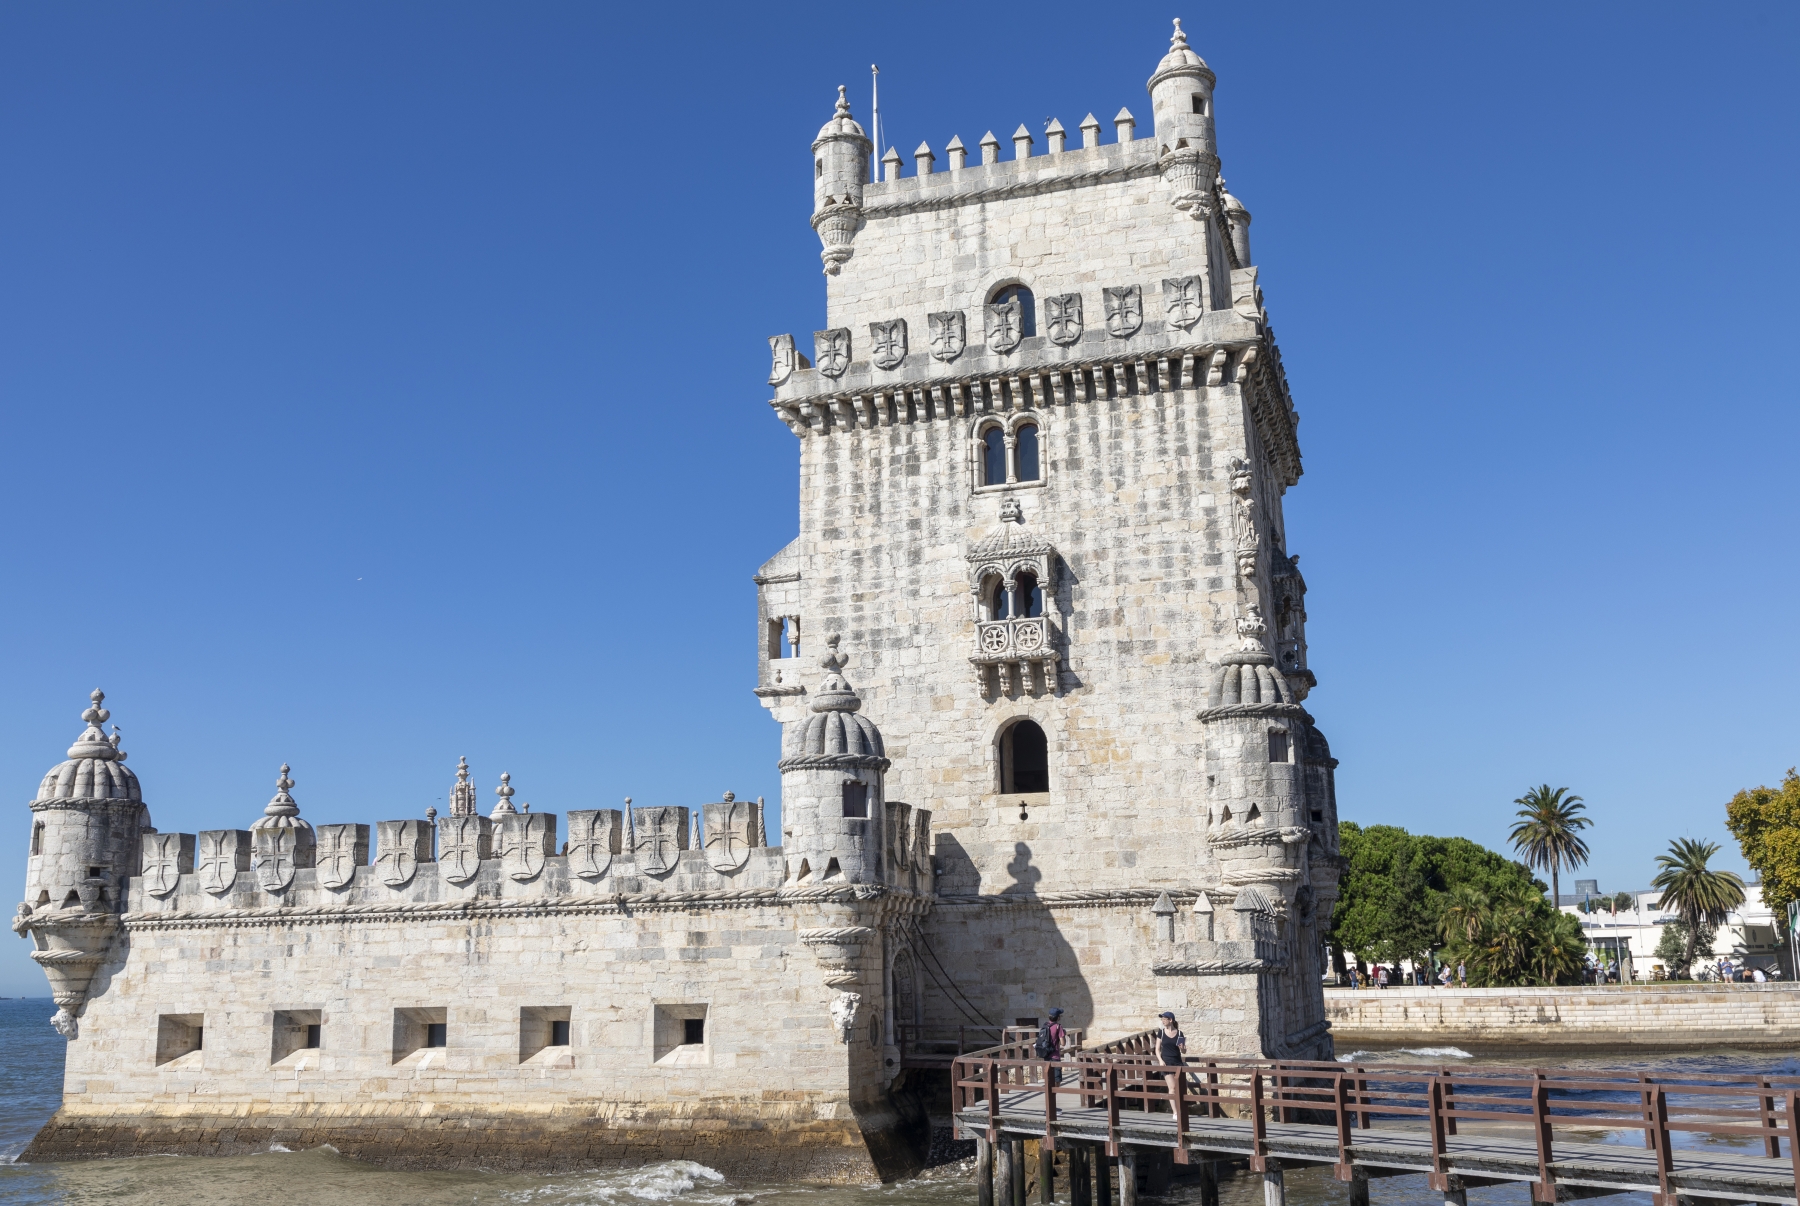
1317,815
1199,103
179,1034
559,1034
199,1038
693,1031
437,1034
312,1036
856,799
1278,746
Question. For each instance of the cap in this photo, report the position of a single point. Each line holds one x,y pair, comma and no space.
1056,1013
1166,1014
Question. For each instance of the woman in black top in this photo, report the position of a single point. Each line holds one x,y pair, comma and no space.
1171,1052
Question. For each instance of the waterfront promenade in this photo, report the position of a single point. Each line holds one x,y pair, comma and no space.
1660,1017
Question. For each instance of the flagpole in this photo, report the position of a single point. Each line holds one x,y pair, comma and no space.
875,120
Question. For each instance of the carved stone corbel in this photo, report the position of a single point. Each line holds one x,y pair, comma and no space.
839,951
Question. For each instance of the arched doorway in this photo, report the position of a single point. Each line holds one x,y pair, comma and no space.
1024,759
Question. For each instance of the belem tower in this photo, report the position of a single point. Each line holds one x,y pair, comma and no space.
1039,660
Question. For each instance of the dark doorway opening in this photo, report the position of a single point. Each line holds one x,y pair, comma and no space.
1024,759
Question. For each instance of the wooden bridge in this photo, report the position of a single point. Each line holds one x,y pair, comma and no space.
1557,1131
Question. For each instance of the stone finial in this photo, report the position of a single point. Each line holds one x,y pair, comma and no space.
728,797
1125,124
958,154
990,148
1251,628
1021,142
1090,131
836,694
1054,134
462,795
843,102
923,159
431,815
281,812
1178,40
890,165
93,743
505,791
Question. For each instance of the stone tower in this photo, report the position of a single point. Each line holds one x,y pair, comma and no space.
1045,436
86,824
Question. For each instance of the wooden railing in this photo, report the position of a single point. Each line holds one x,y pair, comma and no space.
1120,1078
938,1045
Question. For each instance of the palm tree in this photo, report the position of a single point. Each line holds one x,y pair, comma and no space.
1465,911
1703,897
1549,819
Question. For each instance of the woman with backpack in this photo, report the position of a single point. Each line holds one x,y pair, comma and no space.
1171,1052
1049,1045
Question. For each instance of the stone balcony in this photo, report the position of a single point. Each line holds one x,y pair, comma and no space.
1021,655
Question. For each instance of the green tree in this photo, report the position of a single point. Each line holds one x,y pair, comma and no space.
1672,947
1384,910
1766,823
1547,833
1699,894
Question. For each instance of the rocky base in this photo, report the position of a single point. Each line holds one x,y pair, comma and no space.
827,1152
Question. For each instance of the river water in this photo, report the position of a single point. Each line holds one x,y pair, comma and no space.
31,1085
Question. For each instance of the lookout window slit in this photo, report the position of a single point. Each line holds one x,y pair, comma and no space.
856,799
1278,746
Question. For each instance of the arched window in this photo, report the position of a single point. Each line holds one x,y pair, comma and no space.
1024,759
37,837
1025,453
1030,595
993,457
994,597
1027,306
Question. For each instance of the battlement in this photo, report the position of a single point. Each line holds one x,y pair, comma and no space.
1023,175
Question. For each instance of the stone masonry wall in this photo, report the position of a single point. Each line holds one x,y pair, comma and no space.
1676,1017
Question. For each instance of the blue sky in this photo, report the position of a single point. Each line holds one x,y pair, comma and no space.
382,383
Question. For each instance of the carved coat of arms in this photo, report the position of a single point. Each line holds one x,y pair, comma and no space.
899,835
661,836
1124,311
887,342
733,828
222,854
400,847
595,835
948,334
463,841
167,857
526,840
341,850
921,841
832,350
1005,325
1185,299
279,853
783,358
1062,318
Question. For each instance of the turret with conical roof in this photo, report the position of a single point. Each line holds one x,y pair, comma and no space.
86,821
840,169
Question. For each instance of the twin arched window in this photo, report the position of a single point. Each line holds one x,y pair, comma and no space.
1025,599
1007,459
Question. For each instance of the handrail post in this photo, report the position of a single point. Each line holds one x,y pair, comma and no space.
1644,1083
993,1100
1366,1115
1439,1143
1665,1154
1449,1101
1112,1109
1545,1189
1217,1109
1259,1124
1793,1113
1181,1115
1049,1144
1766,1103
1341,1094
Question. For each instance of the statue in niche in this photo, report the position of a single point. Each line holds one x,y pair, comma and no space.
948,334
1124,311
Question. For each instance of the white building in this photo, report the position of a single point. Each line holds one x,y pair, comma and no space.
1748,938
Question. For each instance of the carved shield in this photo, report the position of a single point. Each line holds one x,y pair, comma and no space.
733,828
1062,316
341,850
279,853
899,835
526,840
1185,300
1005,325
887,341
948,333
832,350
781,356
594,837
662,834
1124,311
222,854
401,846
921,841
462,843
167,857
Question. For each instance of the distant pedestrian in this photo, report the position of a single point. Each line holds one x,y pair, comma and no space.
1049,1045
1444,976
1171,1052
1355,980
1381,976
1758,976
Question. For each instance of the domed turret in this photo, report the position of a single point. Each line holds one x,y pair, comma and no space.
281,812
1238,219
840,169
87,817
1181,93
832,786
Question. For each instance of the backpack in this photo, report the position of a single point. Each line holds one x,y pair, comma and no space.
1043,1047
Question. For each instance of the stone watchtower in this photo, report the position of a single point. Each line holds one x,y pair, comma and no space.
1045,435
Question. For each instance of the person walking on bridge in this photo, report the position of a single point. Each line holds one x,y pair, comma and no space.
1171,1052
1049,1045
